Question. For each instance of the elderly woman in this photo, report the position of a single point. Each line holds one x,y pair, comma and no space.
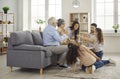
61,29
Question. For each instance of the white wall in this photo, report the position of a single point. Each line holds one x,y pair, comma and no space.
20,10
112,43
20,14
85,6
13,4
23,14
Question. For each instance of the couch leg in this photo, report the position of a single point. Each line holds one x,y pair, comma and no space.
11,68
41,71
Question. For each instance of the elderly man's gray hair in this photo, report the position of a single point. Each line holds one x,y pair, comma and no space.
51,20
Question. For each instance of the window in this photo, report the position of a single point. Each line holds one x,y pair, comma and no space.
39,11
106,13
55,8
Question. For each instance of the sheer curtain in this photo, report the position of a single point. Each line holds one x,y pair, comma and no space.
43,9
104,10
55,8
37,12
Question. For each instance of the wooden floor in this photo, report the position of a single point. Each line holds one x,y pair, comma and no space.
49,73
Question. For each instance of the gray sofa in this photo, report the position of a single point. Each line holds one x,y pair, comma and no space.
26,50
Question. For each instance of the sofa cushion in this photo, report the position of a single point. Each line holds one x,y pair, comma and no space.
37,38
21,37
33,48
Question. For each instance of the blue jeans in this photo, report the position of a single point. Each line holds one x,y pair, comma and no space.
101,63
98,64
99,54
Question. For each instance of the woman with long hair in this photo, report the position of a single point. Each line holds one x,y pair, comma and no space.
97,40
74,30
89,60
98,43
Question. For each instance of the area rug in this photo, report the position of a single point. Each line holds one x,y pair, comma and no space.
106,72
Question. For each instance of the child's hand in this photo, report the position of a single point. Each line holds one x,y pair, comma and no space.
98,59
74,67
85,35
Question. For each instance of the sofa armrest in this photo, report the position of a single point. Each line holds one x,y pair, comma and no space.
9,44
33,48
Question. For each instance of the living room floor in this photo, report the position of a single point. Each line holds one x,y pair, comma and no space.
49,73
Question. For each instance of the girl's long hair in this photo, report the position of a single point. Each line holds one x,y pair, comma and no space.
99,35
76,32
72,54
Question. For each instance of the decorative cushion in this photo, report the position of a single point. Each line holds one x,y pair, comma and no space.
21,37
37,38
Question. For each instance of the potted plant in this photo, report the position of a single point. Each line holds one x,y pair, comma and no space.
40,22
115,27
5,9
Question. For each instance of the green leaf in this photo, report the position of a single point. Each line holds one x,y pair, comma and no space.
115,27
5,8
40,21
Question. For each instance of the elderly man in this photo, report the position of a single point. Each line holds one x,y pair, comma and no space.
52,39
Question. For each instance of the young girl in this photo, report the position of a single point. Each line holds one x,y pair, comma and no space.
89,60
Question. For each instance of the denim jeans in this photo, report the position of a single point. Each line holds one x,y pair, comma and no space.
97,64
101,63
99,54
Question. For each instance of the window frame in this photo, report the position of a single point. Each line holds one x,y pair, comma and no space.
46,12
115,15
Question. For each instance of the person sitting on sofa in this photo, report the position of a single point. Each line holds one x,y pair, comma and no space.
61,29
61,26
52,39
89,60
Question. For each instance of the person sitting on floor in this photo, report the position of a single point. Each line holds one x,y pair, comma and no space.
97,42
89,60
